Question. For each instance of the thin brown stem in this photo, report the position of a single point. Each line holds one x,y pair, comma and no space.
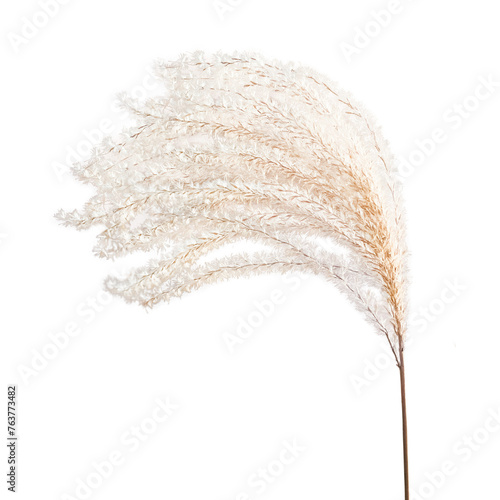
403,413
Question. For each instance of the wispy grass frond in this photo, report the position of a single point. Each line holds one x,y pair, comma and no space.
239,148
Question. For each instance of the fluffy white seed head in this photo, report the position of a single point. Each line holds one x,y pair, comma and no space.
242,149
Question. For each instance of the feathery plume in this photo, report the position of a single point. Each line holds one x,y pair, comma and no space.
241,149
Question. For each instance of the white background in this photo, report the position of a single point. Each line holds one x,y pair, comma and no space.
313,371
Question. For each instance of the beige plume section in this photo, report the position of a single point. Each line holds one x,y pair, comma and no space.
239,148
